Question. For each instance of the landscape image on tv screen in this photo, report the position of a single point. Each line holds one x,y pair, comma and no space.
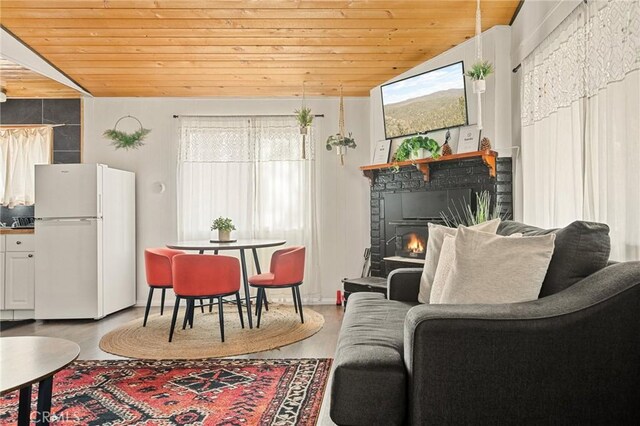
425,102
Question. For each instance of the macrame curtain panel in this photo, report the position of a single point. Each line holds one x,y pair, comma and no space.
251,170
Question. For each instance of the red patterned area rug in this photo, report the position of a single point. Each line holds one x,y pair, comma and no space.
203,392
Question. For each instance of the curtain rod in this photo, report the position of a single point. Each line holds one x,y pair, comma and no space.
247,116
28,126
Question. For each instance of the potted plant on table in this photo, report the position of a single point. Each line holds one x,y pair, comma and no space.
224,226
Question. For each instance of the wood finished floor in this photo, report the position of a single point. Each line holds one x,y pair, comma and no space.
87,334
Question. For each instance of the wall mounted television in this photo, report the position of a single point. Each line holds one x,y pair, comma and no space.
433,100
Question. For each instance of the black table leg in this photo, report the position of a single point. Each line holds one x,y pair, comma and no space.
259,271
45,390
245,282
201,252
24,407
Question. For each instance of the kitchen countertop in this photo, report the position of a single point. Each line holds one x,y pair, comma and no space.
15,231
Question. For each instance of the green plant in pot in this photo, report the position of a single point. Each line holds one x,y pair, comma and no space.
224,226
341,143
417,147
478,72
304,118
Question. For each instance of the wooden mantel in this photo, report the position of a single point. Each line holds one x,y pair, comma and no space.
488,157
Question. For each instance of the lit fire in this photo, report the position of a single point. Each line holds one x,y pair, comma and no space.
415,244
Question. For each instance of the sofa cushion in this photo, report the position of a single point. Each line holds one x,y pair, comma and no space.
369,377
581,248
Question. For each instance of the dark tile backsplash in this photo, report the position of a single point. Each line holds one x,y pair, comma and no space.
67,139
7,215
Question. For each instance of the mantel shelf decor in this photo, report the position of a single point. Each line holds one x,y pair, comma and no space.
125,140
488,157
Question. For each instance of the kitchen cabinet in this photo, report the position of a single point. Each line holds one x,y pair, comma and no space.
19,280
17,276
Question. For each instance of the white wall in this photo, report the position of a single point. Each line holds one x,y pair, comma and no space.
343,191
496,104
535,21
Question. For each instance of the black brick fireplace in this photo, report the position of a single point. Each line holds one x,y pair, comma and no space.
402,204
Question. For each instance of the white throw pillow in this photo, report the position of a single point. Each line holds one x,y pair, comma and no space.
492,269
434,246
445,262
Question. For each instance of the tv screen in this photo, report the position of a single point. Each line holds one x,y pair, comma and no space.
425,102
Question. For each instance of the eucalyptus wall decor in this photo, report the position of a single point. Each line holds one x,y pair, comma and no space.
126,140
339,140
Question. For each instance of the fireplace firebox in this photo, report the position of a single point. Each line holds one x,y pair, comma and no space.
410,213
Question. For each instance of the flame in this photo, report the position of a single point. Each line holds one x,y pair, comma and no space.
415,244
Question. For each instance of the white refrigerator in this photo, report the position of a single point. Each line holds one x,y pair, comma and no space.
85,241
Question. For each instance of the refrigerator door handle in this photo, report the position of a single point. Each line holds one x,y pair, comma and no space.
65,219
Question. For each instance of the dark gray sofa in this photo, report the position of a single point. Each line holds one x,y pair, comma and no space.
570,357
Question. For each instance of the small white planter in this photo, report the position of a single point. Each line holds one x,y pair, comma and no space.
341,151
479,86
304,130
224,235
420,154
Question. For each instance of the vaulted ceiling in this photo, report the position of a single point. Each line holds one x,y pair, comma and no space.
242,47
20,82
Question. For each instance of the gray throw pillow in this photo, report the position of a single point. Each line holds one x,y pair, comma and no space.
581,248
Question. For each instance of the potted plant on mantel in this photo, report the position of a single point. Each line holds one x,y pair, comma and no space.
417,147
224,226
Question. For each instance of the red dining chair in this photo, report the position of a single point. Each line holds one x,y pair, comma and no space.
287,270
157,262
197,277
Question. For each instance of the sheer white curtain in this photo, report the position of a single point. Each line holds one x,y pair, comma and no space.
251,170
21,148
580,134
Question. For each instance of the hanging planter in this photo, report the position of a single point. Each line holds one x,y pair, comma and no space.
339,140
126,140
304,118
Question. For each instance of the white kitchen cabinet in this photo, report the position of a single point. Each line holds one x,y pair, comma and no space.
19,280
17,276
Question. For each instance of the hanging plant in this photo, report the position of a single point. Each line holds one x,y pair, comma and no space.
339,140
126,140
305,118
480,70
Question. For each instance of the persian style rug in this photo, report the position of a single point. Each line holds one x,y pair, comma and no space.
203,392
279,326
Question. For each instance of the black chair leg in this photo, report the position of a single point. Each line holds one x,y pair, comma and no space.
187,314
266,302
162,301
295,299
211,305
202,305
260,296
299,303
192,312
239,309
221,317
174,317
146,310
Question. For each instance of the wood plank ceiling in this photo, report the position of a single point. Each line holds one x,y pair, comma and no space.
242,47
20,82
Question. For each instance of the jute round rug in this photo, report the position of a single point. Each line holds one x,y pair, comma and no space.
279,326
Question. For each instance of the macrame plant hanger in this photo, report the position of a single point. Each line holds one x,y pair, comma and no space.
304,135
341,126
479,59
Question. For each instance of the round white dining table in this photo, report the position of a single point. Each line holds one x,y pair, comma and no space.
253,244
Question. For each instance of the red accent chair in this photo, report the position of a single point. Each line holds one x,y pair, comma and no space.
157,262
287,270
197,277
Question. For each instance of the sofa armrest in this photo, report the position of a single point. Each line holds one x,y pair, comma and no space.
572,357
404,284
